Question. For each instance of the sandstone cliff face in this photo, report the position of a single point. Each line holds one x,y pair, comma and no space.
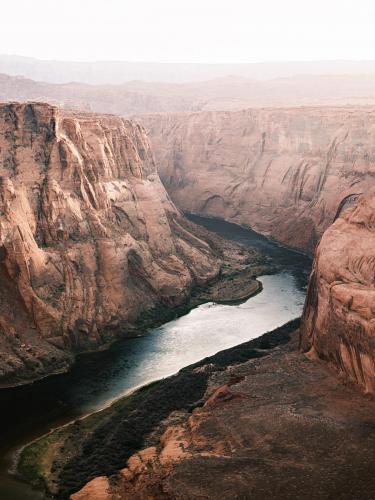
88,236
285,172
339,315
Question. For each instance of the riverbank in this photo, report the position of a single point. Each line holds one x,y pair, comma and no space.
64,460
204,220
232,287
234,283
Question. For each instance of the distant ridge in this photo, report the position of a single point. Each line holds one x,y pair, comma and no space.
116,72
230,93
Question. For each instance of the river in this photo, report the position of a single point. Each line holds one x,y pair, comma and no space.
98,379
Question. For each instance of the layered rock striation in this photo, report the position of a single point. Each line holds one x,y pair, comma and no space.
89,239
288,173
339,315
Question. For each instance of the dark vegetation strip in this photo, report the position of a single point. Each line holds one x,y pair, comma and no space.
113,440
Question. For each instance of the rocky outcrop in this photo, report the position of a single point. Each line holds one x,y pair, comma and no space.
88,237
339,315
286,172
276,427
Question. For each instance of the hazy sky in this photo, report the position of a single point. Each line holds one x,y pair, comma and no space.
189,30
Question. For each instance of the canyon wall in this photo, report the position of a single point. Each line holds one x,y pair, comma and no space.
339,315
286,172
89,239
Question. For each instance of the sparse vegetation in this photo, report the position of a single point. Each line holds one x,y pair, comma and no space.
64,460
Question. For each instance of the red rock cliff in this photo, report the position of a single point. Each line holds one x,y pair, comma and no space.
339,315
285,172
88,236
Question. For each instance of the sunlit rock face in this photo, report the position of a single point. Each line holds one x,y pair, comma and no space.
285,172
339,315
88,236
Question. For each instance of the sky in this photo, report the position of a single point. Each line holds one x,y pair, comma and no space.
201,31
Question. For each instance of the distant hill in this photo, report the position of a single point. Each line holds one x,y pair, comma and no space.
227,93
117,72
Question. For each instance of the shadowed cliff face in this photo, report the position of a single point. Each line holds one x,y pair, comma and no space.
88,236
285,172
338,320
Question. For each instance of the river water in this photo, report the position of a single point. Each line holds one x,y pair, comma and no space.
98,379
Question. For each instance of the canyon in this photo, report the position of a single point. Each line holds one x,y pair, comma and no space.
187,250
285,172
293,174
89,239
271,424
305,178
94,243
265,417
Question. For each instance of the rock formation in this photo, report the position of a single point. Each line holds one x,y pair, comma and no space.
339,315
277,427
88,237
285,172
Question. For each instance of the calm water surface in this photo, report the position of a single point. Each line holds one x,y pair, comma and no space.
98,379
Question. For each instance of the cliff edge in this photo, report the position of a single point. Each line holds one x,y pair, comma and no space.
89,238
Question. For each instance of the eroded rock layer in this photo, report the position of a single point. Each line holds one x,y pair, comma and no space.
286,172
339,315
88,236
